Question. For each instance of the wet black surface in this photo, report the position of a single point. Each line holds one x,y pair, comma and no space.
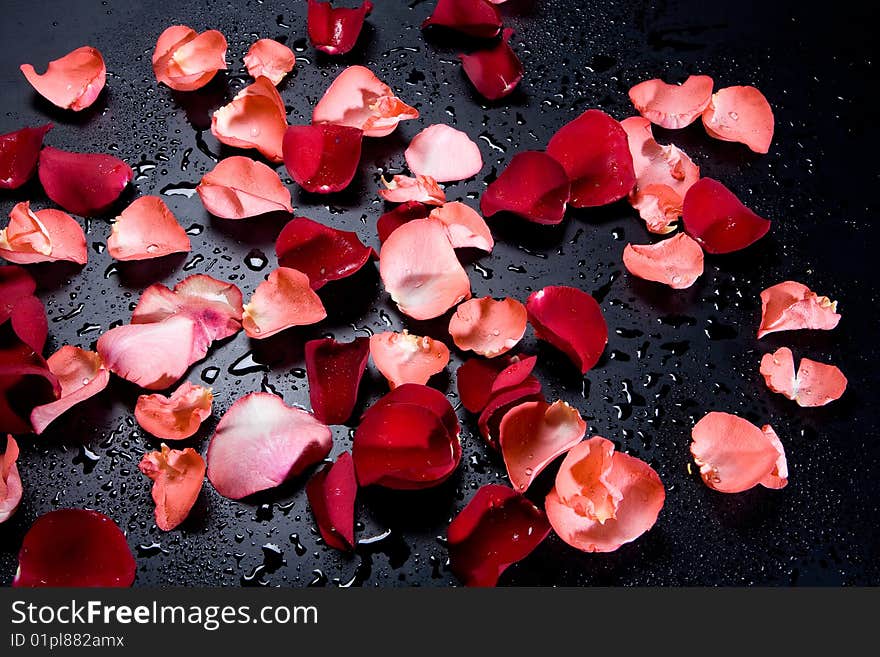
672,356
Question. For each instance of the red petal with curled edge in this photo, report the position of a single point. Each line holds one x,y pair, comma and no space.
260,443
25,379
185,60
255,118
335,31
331,493
672,105
495,71
404,358
407,440
83,183
717,219
420,271
533,434
790,306
177,477
466,228
285,299
74,548
10,480
42,236
815,384
488,327
72,82
603,499
443,153
270,59
394,219
82,375
502,401
475,18
146,229
478,378
594,152
19,152
740,114
334,371
358,99
323,253
239,187
534,186
676,262
403,189
497,528
571,321
322,158
177,416
734,455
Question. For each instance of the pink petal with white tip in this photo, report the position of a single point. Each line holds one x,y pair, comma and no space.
403,189
42,236
443,153
286,299
791,306
815,384
405,358
270,59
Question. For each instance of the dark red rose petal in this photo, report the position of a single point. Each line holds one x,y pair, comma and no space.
571,321
495,71
29,323
74,547
475,18
19,152
25,383
335,370
83,183
15,285
534,186
717,219
331,494
502,401
496,529
480,378
335,31
594,151
322,158
403,213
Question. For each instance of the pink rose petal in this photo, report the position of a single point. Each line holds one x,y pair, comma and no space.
177,416
71,82
177,477
270,59
42,236
185,60
443,153
282,301
488,327
147,229
255,118
82,375
239,187
405,358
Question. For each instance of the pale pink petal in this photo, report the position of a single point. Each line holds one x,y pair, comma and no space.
405,358
740,114
443,153
672,105
177,416
146,229
466,228
403,189
42,236
676,262
790,306
71,82
255,118
286,299
82,375
270,59
488,327
239,187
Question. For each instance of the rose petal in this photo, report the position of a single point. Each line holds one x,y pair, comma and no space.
74,548
334,371
403,189
19,152
740,114
25,379
335,31
28,321
594,152
146,229
239,187
405,358
177,477
790,306
15,284
495,71
815,384
734,455
778,372
72,82
322,158
475,18
571,321
503,400
497,528
676,262
177,416
270,59
488,327
185,60
717,219
83,183
331,493
394,219
10,481
534,186
282,301
358,99
478,379
260,443
255,118
323,253
466,228
42,236
672,105
443,153
81,374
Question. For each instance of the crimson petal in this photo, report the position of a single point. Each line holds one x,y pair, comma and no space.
571,321
534,186
19,152
15,285
331,493
475,18
501,401
334,371
496,71
25,382
322,158
717,219
335,31
83,183
29,323
403,213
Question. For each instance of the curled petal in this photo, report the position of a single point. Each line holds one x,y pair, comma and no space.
335,31
322,158
495,71
404,358
422,189
255,118
478,378
19,152
25,379
672,105
71,82
42,236
331,493
185,60
177,416
815,384
571,321
394,219
488,327
82,375
443,153
475,18
717,219
239,187
270,59
282,301
10,480
74,548
322,253
501,401
177,477
83,183
740,114
146,229
790,306
534,186
260,443
334,371
594,152
465,226
676,262
497,528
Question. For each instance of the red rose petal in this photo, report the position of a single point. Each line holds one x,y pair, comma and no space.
177,416
403,189
83,183
672,105
282,301
475,18
734,455
72,82
740,114
74,548
334,371
147,229
323,253
15,284
10,481
790,306
571,321
676,262
335,31
394,219
503,400
255,118
488,327
42,236
185,60
331,493
404,358
25,379
534,186
717,219
444,154
466,228
29,323
260,443
497,528
19,152
270,59
322,158
177,477
594,152
81,374
815,384
239,187
478,379
495,71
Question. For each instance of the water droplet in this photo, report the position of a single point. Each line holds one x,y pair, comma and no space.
733,115
186,189
256,260
247,365
152,248
210,374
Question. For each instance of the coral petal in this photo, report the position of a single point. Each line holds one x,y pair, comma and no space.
672,105
19,152
83,183
815,384
335,31
81,374
322,158
717,219
334,371
495,71
331,493
146,229
394,219
571,321
177,477
465,226
239,187
72,82
10,480
740,114
534,186
443,153
676,262
475,18
422,189
255,118
404,358
282,301
322,253
177,416
488,327
270,59
778,372
790,306
42,236
185,60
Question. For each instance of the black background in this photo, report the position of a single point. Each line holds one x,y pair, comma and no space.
672,356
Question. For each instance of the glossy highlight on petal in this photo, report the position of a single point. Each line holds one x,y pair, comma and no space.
10,481
80,373
72,82
791,306
42,236
331,493
239,187
422,189
717,219
740,114
147,229
676,262
672,105
177,416
533,186
177,477
488,327
495,72
270,59
285,299
405,358
479,378
83,183
465,226
334,370
476,18
335,30
185,60
571,321
815,384
444,154
255,118
19,152
322,158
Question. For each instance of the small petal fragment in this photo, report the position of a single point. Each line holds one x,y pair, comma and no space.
740,114
185,60
790,306
403,189
534,186
270,59
82,375
255,118
239,187
815,384
42,236
282,301
147,229
334,371
405,358
72,82
83,183
466,228
10,480
394,219
676,262
717,219
478,378
443,153
322,158
19,152
495,71
331,493
475,18
672,105
571,321
335,31
488,327
177,477
177,416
